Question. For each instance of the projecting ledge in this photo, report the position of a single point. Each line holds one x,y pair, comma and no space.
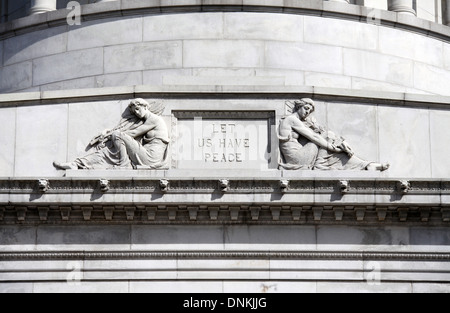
274,92
222,173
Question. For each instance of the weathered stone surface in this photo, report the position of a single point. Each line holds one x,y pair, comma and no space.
363,287
263,26
304,56
70,65
327,80
291,77
410,142
7,147
16,77
77,83
16,236
430,78
440,163
34,45
187,26
379,67
93,237
217,53
430,288
269,286
434,237
99,33
119,79
143,56
81,287
223,80
368,84
172,237
157,77
16,288
177,287
35,136
342,33
256,237
333,238
412,46
447,56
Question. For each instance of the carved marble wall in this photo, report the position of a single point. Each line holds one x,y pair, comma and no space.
274,49
409,137
223,212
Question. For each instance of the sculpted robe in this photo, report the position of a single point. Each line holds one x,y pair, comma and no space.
124,151
302,154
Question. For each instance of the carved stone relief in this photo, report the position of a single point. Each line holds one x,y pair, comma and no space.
305,145
139,141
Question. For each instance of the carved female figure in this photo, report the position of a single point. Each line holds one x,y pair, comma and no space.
140,140
306,145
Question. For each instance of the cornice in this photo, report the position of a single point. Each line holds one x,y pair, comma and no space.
297,255
223,92
364,201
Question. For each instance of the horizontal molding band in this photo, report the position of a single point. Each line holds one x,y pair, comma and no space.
252,201
306,255
212,214
321,8
223,92
303,185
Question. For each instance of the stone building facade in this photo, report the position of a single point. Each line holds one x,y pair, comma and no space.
222,216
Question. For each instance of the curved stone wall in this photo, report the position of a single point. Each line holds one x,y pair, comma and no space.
225,48
221,227
403,129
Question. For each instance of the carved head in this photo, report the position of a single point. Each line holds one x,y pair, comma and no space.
224,184
139,107
104,185
284,184
164,184
344,186
304,107
404,186
43,185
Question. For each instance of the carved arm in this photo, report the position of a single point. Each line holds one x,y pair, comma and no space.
315,138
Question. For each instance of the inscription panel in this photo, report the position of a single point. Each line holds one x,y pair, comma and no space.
223,140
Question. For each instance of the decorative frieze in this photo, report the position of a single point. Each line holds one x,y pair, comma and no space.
230,185
243,214
263,200
167,255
